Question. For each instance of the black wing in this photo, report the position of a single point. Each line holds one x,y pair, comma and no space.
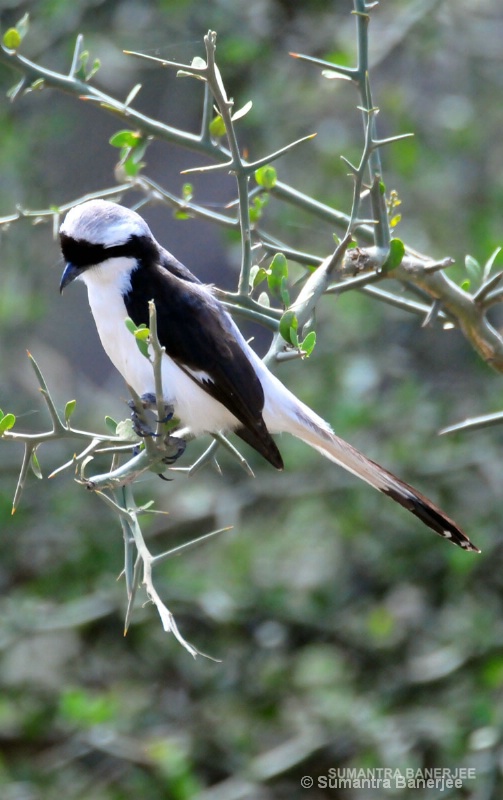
195,330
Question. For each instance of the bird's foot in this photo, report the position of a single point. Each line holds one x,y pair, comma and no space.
168,413
148,402
140,425
175,448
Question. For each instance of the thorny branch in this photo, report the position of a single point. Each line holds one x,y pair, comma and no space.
359,268
462,307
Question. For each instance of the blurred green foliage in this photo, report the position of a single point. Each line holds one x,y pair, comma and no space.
349,635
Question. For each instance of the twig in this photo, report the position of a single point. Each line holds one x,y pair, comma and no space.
470,316
132,529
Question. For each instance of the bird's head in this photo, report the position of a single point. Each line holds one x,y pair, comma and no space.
98,234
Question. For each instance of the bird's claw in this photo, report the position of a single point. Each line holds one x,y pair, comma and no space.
176,446
148,401
140,427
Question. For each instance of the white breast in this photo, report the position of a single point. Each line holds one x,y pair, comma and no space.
195,408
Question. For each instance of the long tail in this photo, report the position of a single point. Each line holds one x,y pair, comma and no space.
306,425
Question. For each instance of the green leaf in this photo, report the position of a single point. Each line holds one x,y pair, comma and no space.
257,276
266,176
94,69
132,94
217,127
125,139
259,202
146,506
198,62
133,147
69,409
142,335
132,166
277,272
130,325
80,73
288,326
465,285
473,268
187,195
7,422
490,263
11,39
284,293
309,343
187,192
334,76
22,25
35,466
139,150
242,111
142,332
18,87
142,347
182,73
111,425
396,253
125,430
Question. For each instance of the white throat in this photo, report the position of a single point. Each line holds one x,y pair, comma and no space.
107,283
112,275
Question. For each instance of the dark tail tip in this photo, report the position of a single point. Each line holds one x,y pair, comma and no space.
430,514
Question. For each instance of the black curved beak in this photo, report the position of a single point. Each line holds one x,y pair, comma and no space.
69,274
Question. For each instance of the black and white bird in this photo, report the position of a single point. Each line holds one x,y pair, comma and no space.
211,376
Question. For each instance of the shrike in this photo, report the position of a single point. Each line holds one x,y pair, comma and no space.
211,376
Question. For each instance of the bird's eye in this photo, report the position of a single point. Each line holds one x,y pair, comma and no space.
81,253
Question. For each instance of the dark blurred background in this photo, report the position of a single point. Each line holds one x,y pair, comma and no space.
349,635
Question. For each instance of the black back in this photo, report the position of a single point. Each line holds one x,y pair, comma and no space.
197,334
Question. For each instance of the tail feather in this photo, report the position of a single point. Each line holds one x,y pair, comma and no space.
315,432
